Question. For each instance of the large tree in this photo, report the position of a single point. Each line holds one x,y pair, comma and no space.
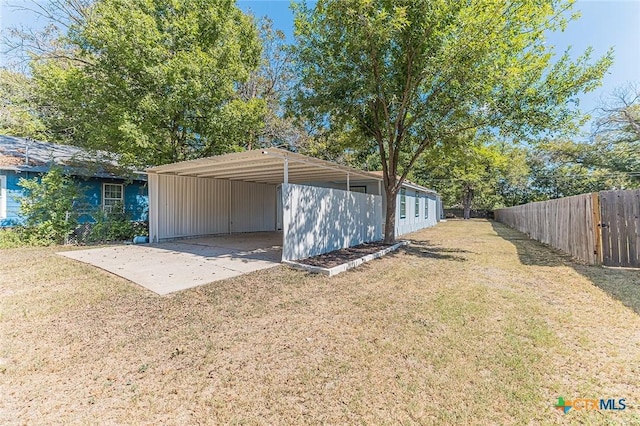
154,81
609,159
409,75
475,172
558,169
19,115
615,144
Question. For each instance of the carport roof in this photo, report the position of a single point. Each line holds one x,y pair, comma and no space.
265,166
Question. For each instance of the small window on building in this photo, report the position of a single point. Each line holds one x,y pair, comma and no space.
426,207
358,188
403,203
417,205
112,195
3,197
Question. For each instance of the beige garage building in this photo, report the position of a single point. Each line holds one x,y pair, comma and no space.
318,206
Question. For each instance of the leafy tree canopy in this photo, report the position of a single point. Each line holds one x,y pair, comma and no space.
476,172
271,82
414,74
153,80
19,115
609,159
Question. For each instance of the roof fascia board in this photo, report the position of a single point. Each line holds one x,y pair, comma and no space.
251,164
321,163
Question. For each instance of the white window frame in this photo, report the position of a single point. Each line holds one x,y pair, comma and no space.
108,207
426,207
3,197
416,205
403,203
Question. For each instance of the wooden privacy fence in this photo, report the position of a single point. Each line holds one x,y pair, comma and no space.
620,228
598,228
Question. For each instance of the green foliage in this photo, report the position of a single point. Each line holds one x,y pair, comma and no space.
10,238
153,80
609,160
475,173
414,74
556,170
615,145
270,84
47,206
19,116
114,225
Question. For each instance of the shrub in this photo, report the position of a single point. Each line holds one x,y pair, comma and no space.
115,225
47,205
10,238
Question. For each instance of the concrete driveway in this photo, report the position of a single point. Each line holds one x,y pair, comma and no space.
168,267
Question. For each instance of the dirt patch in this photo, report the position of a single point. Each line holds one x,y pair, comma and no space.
339,257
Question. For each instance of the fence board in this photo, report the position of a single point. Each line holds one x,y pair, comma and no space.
600,227
595,225
564,223
605,207
618,235
631,211
636,201
620,212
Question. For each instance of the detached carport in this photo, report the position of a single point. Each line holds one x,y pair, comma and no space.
319,206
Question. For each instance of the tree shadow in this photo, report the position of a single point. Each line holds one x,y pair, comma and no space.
620,284
427,250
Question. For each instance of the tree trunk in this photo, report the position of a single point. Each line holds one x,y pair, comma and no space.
467,199
390,217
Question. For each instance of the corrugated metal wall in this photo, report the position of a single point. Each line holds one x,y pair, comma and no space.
320,220
253,207
181,206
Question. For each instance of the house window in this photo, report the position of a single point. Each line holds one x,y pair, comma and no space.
358,188
112,195
3,197
403,203
417,205
426,208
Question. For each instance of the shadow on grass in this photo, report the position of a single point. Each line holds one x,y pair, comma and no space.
424,249
621,284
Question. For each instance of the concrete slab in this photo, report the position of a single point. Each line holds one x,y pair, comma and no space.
168,267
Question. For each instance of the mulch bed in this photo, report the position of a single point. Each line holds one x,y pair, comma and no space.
338,257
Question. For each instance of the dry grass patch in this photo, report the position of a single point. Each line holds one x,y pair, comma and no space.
459,328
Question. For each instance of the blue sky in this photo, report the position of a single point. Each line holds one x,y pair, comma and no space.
604,24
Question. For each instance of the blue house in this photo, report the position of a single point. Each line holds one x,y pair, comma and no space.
102,181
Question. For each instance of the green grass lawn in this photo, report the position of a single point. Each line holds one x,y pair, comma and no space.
471,324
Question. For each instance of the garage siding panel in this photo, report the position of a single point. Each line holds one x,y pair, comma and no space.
253,207
320,220
188,206
184,206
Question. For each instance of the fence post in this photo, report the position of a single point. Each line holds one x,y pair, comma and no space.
597,229
66,220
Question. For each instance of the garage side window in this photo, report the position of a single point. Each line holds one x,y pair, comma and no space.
426,207
3,197
416,205
112,196
403,203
